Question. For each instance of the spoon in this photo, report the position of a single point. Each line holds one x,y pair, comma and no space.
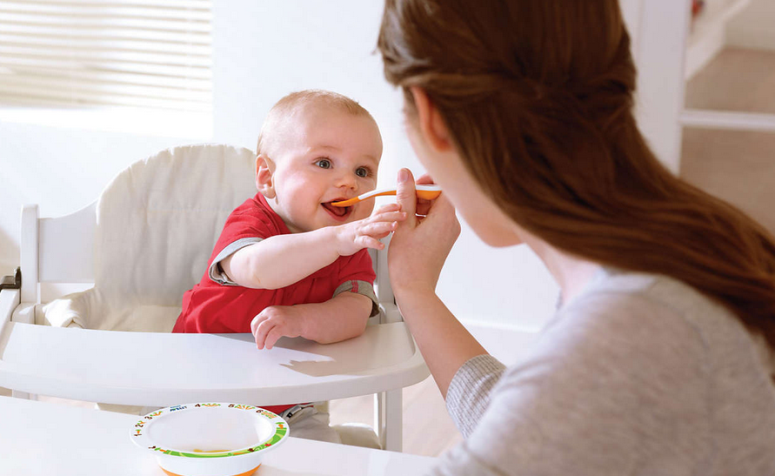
426,192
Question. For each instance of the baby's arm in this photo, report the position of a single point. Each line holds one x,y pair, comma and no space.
282,260
342,317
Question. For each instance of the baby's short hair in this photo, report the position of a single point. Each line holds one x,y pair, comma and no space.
299,99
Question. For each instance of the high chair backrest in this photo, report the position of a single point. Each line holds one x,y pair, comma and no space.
158,220
149,236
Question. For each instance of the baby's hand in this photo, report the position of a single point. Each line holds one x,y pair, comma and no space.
366,233
275,322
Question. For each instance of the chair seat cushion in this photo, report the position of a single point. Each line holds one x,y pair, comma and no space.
90,310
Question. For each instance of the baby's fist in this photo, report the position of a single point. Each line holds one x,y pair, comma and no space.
355,236
275,322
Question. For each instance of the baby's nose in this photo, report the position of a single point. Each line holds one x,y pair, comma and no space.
346,180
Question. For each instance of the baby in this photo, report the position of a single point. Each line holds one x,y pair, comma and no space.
288,263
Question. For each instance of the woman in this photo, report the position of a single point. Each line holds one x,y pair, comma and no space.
659,359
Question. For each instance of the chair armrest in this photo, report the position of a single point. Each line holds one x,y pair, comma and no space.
390,312
9,300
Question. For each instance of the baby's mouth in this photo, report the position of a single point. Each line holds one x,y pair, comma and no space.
337,212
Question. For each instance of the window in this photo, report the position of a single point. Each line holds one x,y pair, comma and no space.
152,55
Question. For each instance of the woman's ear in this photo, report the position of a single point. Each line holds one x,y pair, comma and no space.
264,182
432,126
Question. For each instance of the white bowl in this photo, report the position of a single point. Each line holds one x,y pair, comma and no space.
210,439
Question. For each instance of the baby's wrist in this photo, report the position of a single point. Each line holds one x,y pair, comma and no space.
326,241
303,327
338,239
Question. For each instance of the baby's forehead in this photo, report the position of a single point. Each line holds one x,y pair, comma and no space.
307,123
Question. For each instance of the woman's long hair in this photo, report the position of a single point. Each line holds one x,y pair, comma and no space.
538,96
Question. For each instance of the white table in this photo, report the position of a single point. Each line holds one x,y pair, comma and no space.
50,439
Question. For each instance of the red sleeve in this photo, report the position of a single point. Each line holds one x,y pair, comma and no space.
252,219
357,268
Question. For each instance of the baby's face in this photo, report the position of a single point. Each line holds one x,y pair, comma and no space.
325,155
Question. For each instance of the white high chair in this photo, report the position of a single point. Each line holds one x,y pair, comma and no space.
143,243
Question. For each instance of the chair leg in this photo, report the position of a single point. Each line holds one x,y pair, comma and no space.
388,419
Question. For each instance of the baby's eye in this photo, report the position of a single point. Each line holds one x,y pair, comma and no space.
323,163
362,172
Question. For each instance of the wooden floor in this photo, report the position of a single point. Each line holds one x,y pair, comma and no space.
737,166
428,428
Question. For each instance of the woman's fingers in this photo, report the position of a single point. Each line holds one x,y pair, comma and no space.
424,205
417,254
425,179
406,197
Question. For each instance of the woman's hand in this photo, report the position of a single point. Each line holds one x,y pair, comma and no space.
420,243
353,237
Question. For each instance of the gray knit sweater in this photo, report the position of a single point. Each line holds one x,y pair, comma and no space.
637,375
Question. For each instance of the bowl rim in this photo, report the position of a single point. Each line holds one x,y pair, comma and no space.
140,434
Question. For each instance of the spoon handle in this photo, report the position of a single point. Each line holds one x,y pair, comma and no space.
427,192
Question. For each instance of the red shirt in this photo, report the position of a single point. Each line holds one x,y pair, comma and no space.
212,307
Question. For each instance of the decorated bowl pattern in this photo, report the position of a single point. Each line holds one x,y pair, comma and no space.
139,434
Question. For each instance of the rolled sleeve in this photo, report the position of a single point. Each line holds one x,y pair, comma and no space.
216,273
360,287
469,391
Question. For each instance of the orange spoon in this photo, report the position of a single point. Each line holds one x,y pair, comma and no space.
426,192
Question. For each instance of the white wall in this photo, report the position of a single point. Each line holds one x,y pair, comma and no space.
263,50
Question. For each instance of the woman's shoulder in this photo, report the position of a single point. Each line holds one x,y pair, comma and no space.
660,315
622,293
629,316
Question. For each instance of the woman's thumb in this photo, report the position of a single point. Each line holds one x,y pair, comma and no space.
406,195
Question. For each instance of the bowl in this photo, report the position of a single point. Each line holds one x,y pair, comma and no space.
210,439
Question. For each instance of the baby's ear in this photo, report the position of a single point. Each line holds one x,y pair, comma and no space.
264,182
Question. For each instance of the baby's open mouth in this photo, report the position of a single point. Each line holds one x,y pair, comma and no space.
337,212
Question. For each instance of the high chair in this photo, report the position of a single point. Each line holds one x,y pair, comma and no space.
145,241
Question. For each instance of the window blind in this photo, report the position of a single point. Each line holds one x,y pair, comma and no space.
153,54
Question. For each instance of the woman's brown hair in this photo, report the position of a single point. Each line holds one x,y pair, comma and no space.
538,96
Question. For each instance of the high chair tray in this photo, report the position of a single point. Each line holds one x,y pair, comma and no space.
158,369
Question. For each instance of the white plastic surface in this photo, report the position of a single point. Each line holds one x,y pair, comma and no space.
9,300
66,247
157,369
28,253
42,438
